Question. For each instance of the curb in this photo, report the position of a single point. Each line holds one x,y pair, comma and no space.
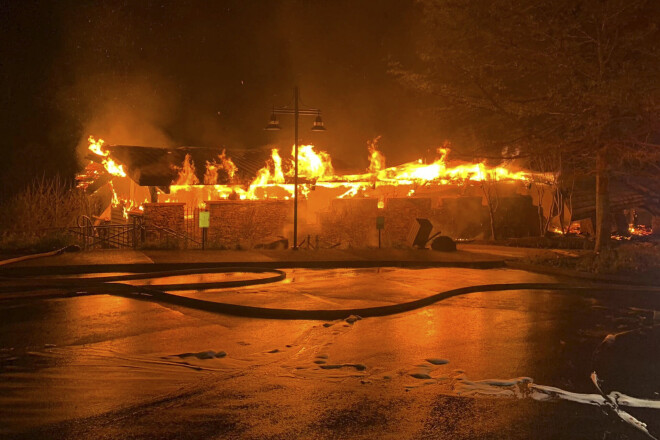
551,270
163,267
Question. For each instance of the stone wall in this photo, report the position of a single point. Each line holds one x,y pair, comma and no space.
245,223
163,215
400,215
350,223
346,222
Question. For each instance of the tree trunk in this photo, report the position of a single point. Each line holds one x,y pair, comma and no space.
491,214
540,191
603,228
621,221
492,206
560,197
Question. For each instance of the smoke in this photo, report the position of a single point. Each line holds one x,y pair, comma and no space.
131,112
136,74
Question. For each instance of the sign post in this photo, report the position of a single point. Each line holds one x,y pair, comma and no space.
380,225
204,221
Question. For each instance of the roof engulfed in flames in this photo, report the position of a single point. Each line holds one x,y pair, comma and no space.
275,179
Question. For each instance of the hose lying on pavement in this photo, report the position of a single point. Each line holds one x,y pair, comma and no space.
332,314
112,282
112,285
72,248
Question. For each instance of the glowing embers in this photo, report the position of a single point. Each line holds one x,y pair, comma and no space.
640,230
634,231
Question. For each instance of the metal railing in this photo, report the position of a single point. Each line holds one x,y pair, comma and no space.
130,235
136,234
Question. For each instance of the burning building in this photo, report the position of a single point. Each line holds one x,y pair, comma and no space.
249,195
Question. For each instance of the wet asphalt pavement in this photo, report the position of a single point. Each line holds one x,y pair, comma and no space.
112,367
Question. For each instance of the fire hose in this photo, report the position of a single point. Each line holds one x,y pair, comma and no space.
72,248
115,285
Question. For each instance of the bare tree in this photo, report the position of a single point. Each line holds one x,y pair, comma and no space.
576,78
489,188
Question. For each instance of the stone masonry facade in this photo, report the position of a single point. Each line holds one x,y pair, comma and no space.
245,223
350,223
400,215
158,216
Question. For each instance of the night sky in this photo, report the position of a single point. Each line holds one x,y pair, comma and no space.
206,74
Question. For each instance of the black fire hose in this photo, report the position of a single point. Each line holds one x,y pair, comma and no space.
111,285
332,314
25,284
72,248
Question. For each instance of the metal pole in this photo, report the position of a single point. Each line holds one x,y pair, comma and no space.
295,179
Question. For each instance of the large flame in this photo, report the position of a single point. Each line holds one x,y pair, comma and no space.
275,179
376,158
187,174
315,170
110,165
311,164
223,163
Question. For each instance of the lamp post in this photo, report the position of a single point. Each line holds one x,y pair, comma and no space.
274,124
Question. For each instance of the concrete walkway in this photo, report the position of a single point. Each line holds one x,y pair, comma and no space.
126,260
324,255
138,260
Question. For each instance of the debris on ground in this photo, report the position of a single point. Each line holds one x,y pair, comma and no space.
208,354
351,319
436,361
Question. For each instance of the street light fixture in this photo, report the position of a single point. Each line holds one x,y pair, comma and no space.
318,123
274,124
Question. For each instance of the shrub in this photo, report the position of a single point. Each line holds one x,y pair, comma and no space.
34,218
641,258
29,244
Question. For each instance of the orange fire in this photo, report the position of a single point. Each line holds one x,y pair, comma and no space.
275,179
315,170
376,158
187,173
110,165
223,163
